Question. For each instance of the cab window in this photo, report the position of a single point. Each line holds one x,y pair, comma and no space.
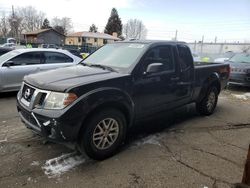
185,57
161,54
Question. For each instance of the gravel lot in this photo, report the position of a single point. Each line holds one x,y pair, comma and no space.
180,149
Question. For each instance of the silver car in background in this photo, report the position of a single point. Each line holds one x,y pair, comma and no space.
15,64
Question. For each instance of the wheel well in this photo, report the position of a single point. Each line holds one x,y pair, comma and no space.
207,85
217,85
114,105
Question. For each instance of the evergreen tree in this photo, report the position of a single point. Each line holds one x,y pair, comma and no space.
93,28
114,23
46,24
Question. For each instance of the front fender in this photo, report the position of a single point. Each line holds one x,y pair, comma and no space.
108,95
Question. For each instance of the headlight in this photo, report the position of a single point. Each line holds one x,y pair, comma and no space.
58,100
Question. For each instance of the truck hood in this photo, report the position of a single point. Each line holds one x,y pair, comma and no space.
62,79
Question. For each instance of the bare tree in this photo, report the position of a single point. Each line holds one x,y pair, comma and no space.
4,25
65,23
134,29
32,19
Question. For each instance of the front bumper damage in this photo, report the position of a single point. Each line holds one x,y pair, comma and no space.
61,126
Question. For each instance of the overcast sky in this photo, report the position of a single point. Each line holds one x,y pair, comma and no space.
229,20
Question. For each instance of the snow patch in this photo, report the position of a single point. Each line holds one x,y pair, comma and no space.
244,96
35,163
152,139
4,140
59,165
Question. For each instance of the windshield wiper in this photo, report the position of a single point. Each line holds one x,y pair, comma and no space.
102,67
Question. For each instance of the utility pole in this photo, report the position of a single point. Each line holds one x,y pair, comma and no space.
176,32
13,24
215,40
202,41
195,46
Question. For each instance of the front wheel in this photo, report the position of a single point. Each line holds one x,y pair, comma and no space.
104,133
207,105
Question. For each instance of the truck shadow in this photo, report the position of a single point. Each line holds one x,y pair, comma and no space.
8,94
160,123
238,88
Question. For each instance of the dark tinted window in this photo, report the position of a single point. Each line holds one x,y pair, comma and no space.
29,58
185,57
161,54
55,57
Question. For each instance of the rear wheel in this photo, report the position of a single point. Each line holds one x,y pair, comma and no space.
207,105
104,133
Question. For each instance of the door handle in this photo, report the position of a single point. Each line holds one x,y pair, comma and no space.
174,78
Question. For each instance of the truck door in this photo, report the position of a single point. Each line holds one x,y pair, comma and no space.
156,92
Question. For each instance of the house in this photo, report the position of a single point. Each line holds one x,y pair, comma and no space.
44,36
90,38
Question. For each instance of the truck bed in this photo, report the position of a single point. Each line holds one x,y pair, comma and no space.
203,70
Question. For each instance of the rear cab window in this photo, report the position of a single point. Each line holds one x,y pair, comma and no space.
185,57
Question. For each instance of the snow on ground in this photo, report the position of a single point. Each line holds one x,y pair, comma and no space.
35,163
151,139
245,96
57,166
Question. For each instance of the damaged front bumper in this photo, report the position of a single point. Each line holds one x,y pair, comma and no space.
55,125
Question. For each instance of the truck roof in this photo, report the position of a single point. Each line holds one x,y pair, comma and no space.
152,41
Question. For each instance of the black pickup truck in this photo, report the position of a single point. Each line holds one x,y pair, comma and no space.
94,103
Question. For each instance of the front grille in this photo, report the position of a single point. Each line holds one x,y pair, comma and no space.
33,97
42,98
28,117
27,92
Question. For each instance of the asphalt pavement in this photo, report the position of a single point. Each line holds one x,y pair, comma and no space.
176,149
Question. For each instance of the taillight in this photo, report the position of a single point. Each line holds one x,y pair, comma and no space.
229,70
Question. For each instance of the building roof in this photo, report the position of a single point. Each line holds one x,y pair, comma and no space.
93,35
36,32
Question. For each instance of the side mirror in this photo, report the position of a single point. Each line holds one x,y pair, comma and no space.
154,68
8,64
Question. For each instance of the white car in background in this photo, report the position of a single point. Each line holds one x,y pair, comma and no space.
196,57
224,57
221,59
9,45
15,64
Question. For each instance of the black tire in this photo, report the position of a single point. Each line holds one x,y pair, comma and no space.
86,140
206,106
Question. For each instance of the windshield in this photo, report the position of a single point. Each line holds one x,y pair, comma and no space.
241,58
117,55
8,55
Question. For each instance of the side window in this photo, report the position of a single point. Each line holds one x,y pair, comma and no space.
161,54
55,57
185,57
29,58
